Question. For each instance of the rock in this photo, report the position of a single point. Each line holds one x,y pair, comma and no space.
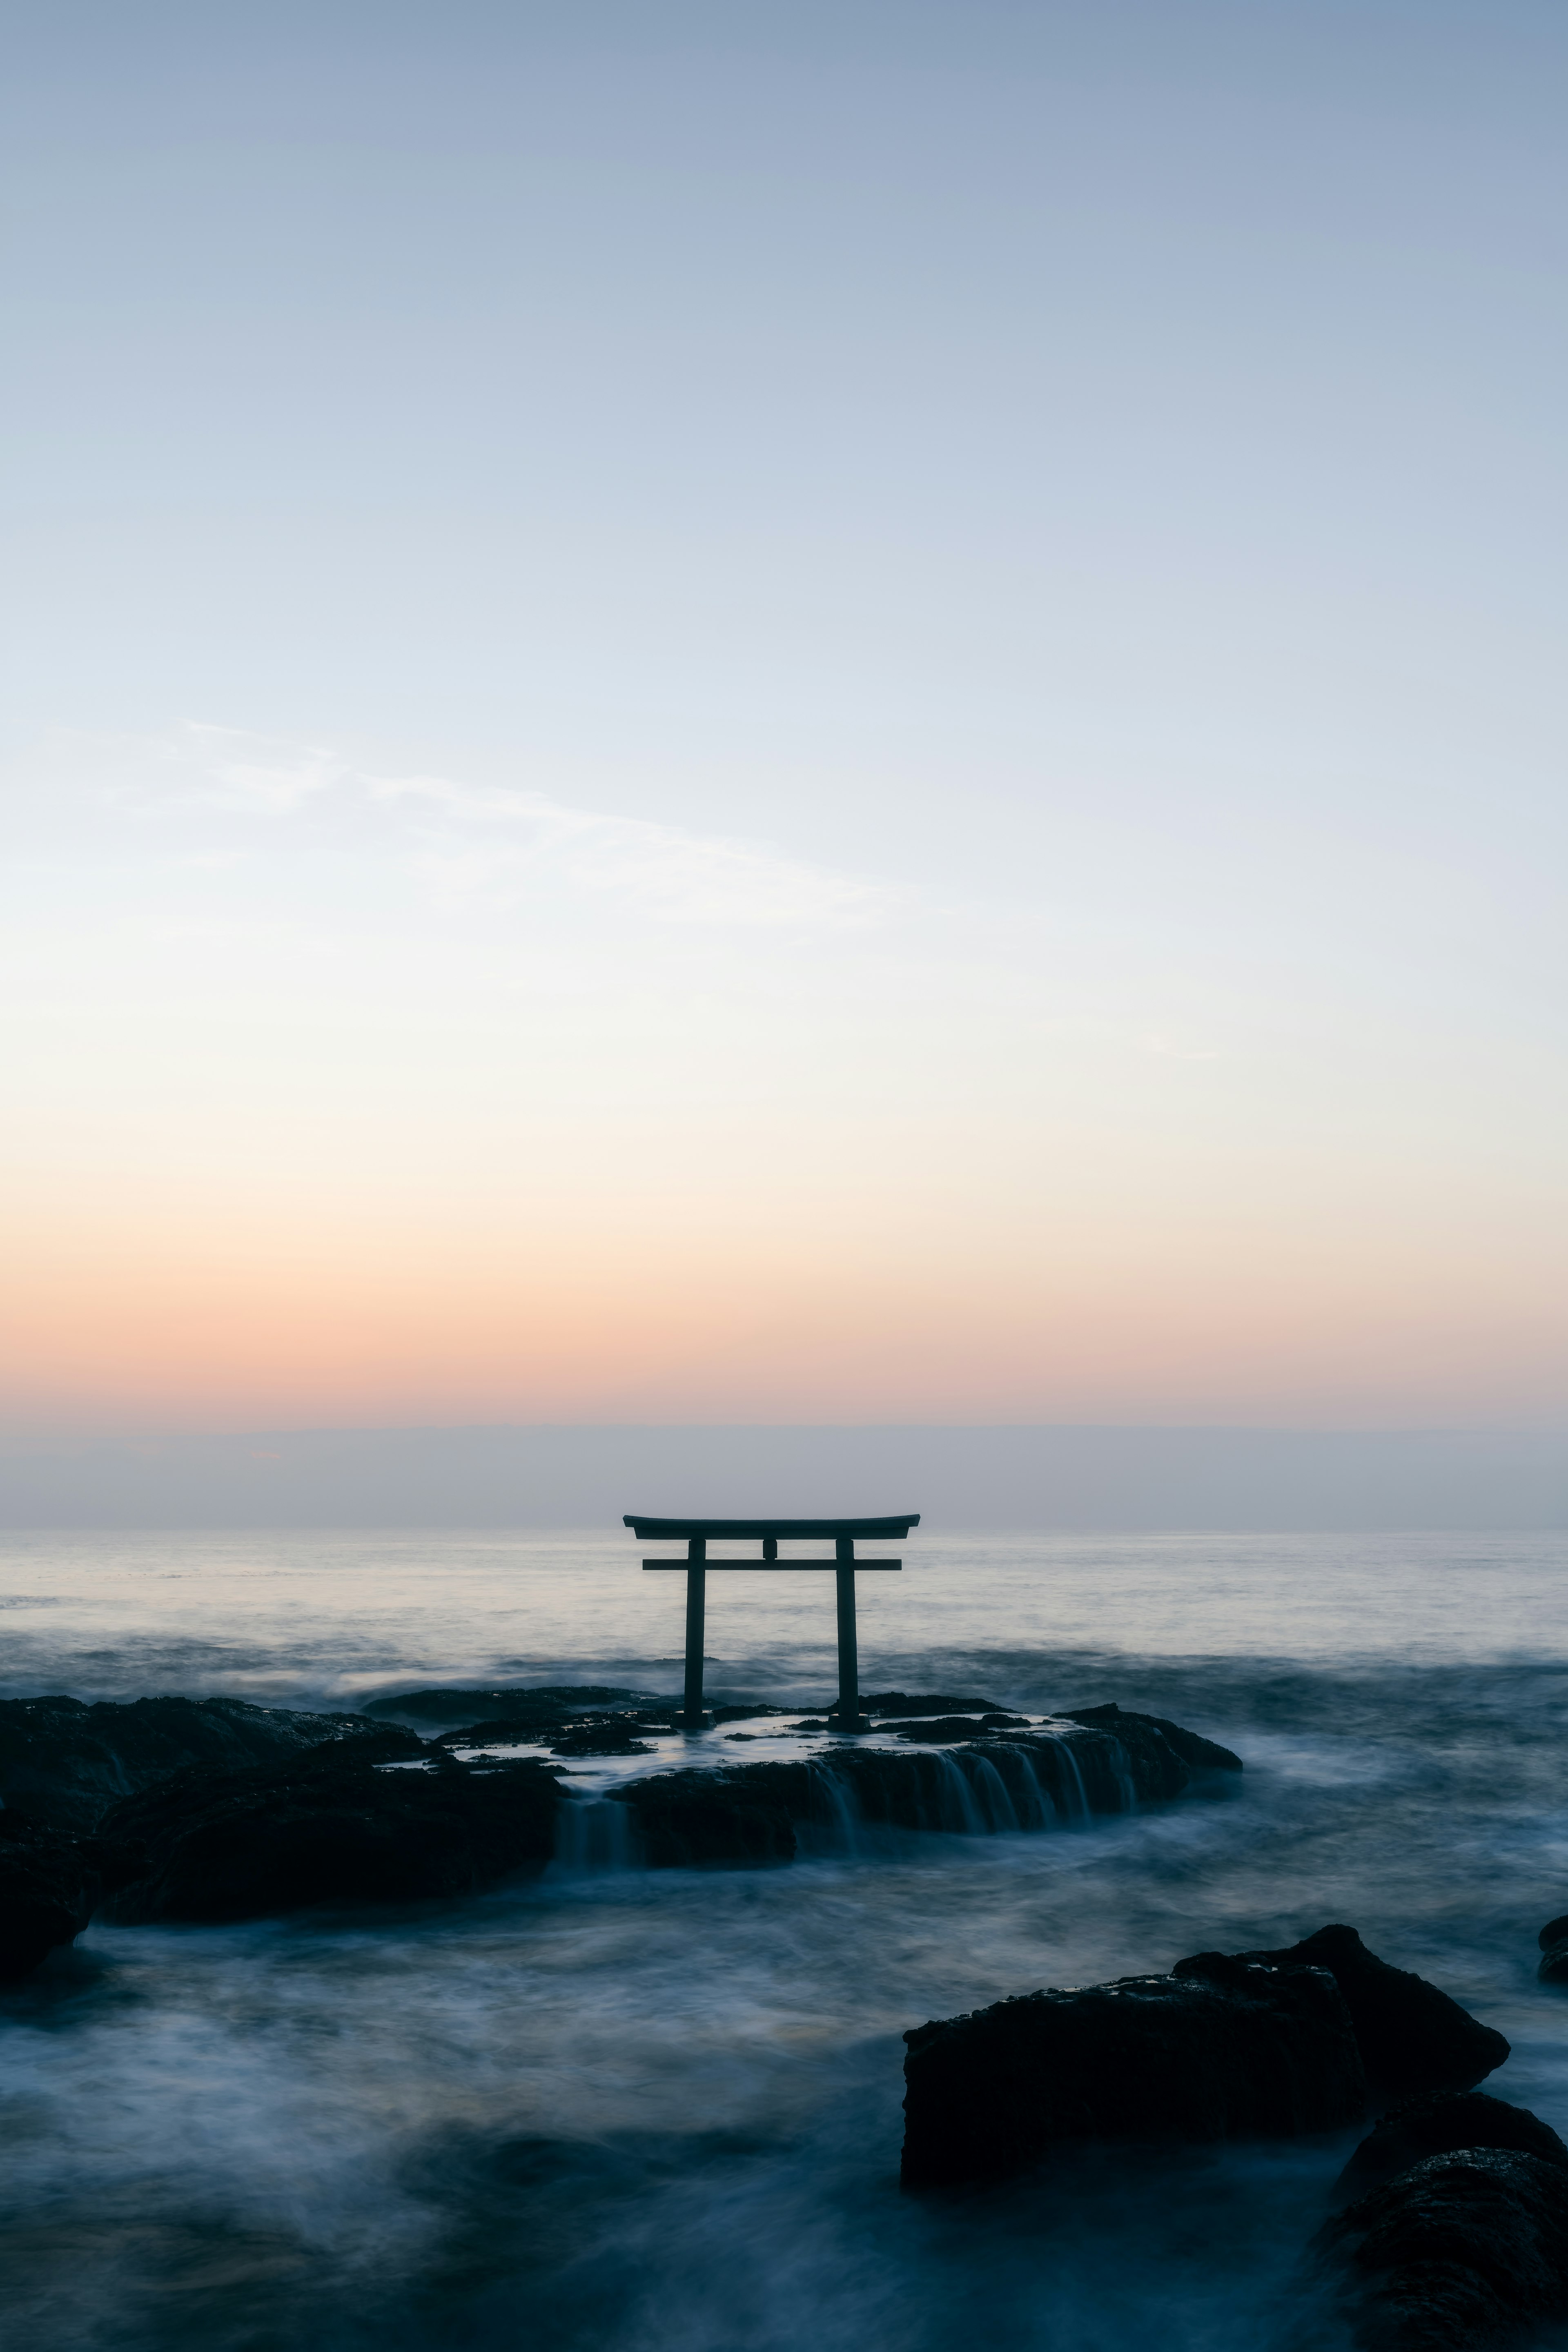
903,1703
1553,1968
1412,2037
1555,1932
684,1818
327,1828
599,1739
1268,2052
1463,2250
1204,1755
63,1761
48,1885
543,1703
935,1730
1435,2126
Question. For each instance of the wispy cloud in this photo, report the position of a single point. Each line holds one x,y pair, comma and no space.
472,844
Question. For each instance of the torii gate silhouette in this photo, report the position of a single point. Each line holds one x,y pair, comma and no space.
698,1534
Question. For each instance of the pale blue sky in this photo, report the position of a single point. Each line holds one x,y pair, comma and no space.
1073,495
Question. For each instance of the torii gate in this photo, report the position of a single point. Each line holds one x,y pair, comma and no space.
697,1535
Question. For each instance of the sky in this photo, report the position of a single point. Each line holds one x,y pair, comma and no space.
728,713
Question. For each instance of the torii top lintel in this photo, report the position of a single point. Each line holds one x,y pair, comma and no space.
766,1530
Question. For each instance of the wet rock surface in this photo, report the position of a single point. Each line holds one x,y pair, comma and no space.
63,1761
1269,2051
1438,2125
917,1702
48,1884
1413,2036
747,1815
1465,2250
327,1828
523,1707
1201,1754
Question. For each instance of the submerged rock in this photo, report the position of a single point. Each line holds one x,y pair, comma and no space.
48,1885
329,1827
64,1761
1438,2124
1413,2036
1268,2052
1463,2250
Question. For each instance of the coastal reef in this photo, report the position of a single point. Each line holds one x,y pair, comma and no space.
174,1809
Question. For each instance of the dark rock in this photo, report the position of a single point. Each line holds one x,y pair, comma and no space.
906,1703
935,1730
543,1703
1271,2052
1435,2126
1553,1968
48,1885
739,1815
1002,1722
1463,2250
497,1731
600,1740
1555,1932
66,1762
1204,1755
328,1828
1412,2037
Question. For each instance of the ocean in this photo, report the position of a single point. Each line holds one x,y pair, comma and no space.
660,2109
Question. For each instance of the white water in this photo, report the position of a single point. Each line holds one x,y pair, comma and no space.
613,2108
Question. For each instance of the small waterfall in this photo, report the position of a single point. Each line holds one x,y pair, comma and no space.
1031,1800
957,1797
991,1791
1121,1767
1074,1800
594,1833
837,1800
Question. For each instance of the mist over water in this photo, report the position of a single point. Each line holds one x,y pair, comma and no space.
611,2107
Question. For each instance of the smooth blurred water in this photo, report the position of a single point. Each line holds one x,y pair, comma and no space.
662,2109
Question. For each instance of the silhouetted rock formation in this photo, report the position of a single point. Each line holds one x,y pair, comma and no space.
63,1761
1010,1781
541,1704
1204,1755
1268,2052
1438,2124
907,1703
48,1885
328,1828
1554,1942
739,1815
1412,2037
1463,2250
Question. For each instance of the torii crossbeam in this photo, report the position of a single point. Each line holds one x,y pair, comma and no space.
698,1534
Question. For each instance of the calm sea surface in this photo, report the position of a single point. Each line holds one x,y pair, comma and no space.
660,2110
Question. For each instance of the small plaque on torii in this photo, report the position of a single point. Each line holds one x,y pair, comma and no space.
698,1534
